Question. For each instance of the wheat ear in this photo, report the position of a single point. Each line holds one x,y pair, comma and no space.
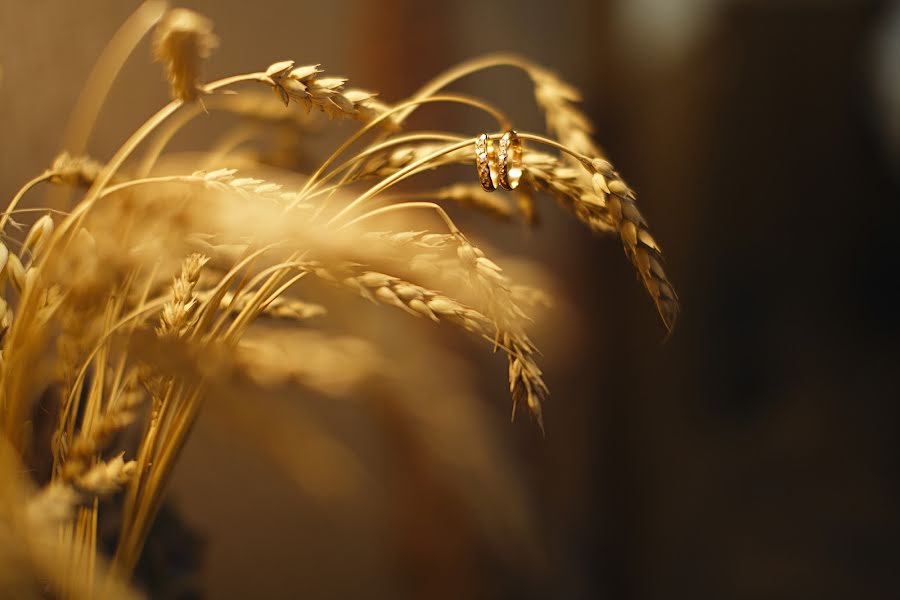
180,41
640,247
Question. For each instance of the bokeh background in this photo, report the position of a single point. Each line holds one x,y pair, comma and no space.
754,454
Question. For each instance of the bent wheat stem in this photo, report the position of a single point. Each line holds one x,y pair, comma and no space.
105,70
45,176
499,117
400,175
404,206
464,69
367,152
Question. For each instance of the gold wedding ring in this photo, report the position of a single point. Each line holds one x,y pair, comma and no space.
485,161
509,157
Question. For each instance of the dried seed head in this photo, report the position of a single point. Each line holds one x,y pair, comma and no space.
107,478
180,41
304,86
75,170
178,314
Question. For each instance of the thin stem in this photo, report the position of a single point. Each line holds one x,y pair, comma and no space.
154,121
250,285
501,120
262,293
284,288
148,181
413,137
105,71
533,137
400,175
21,193
418,165
207,309
162,139
404,206
20,211
148,307
143,131
464,69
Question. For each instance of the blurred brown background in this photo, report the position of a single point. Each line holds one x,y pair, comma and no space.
752,455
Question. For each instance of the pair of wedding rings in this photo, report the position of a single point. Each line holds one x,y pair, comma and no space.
500,167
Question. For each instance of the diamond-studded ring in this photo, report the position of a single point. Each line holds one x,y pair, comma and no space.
509,157
485,162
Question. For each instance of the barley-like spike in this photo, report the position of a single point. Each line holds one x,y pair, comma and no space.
574,129
181,40
248,187
55,502
640,247
564,182
565,120
526,379
327,94
178,313
606,205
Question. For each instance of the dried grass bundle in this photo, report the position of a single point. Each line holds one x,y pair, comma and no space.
154,294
